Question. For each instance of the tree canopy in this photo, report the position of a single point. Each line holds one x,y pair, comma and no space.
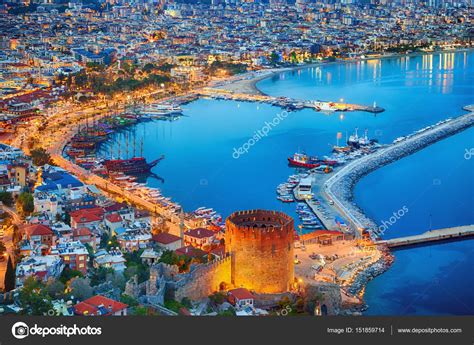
25,203
40,157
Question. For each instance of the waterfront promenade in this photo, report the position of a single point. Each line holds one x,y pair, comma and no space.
338,187
430,236
109,187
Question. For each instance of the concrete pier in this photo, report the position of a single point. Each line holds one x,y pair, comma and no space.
285,102
338,187
431,236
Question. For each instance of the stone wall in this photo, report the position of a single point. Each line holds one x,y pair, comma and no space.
203,280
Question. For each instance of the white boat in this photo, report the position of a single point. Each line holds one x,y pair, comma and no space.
153,110
325,106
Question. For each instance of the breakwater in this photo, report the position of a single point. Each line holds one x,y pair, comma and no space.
339,188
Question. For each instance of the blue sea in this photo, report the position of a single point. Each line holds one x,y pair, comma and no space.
201,166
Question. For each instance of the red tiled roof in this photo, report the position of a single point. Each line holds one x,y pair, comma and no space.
191,252
84,231
165,238
98,211
200,233
86,215
317,233
116,207
91,305
114,218
241,293
38,230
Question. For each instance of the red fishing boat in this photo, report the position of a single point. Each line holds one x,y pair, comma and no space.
304,161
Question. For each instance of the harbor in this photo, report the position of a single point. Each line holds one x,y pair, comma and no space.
338,188
318,213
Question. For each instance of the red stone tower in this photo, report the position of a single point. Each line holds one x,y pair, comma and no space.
261,244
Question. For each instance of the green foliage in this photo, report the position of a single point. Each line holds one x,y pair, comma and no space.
169,257
25,203
80,79
80,288
55,288
148,67
112,243
116,279
186,302
33,297
67,218
129,300
58,217
99,275
217,298
9,276
173,305
6,198
230,68
135,266
140,311
67,274
94,66
274,58
228,312
40,157
166,67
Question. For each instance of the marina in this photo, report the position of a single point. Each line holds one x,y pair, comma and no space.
289,103
308,212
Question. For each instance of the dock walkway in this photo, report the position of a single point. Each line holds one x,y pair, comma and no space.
430,236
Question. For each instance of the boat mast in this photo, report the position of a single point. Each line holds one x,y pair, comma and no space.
118,155
126,145
134,144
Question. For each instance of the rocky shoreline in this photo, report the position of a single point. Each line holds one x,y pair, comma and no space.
343,187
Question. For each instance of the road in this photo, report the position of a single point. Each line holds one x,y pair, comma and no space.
7,239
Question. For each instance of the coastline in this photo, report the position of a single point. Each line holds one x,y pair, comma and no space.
372,271
247,82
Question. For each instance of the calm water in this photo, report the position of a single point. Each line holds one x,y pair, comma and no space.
200,170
